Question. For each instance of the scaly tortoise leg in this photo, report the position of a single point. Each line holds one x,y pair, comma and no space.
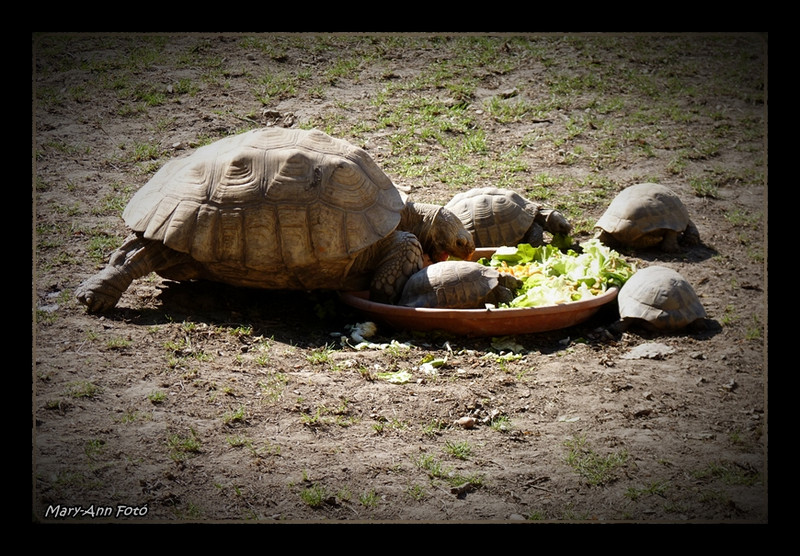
402,258
136,257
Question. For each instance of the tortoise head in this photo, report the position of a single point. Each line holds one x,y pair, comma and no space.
445,235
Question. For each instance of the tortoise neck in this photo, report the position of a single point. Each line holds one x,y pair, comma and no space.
418,218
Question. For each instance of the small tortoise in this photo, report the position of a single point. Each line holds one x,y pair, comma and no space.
498,217
277,208
661,299
647,215
458,285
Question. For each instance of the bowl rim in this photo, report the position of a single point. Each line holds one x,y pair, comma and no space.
360,300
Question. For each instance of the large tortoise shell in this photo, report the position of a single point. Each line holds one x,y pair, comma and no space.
285,202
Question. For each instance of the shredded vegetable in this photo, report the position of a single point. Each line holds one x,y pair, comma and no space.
552,277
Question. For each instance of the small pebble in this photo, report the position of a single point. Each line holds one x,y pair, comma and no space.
466,422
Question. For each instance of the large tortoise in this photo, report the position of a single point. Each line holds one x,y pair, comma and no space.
458,285
498,217
277,208
647,215
661,299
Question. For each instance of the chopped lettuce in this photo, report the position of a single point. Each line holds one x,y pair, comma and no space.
552,277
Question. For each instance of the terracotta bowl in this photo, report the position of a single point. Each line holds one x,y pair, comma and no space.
479,322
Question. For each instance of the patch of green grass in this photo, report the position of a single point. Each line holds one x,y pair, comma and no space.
112,204
386,424
65,148
431,465
148,94
657,488
458,450
73,209
342,68
129,416
436,470
45,317
729,473
569,88
738,217
729,316
426,128
94,448
677,164
262,352
49,97
513,110
258,451
320,355
314,495
735,437
182,447
325,415
186,87
369,499
755,330
501,423
239,441
273,48
82,389
367,374
241,331
142,152
101,245
157,397
183,348
595,468
272,386
704,186
416,492
434,428
118,343
238,415
275,86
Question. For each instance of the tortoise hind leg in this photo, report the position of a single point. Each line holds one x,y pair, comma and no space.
136,257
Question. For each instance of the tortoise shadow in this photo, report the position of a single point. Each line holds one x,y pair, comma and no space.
307,318
286,315
694,254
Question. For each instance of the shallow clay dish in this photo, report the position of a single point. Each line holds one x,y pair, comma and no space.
479,322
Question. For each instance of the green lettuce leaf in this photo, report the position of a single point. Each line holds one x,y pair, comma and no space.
563,276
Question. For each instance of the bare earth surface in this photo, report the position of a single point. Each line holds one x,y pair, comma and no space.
200,402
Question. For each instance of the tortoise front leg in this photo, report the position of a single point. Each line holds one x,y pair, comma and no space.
534,236
670,242
401,258
136,257
691,235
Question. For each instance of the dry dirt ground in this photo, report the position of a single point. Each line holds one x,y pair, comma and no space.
200,402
